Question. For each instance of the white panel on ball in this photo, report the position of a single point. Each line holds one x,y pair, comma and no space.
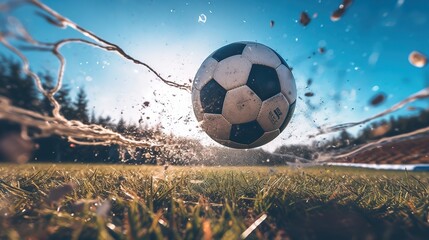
273,112
232,72
205,73
267,137
241,105
196,103
287,83
260,54
216,126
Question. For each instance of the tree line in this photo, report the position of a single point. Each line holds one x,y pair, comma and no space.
377,130
21,91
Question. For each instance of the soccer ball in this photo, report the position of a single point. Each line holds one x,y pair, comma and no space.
244,95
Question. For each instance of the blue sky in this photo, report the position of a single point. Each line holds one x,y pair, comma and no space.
366,53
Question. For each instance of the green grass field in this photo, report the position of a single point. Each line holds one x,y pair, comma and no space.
74,201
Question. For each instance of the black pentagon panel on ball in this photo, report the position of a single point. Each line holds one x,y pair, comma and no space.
212,96
228,51
264,81
246,133
288,117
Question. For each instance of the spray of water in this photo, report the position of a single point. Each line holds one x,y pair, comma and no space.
76,131
378,143
422,94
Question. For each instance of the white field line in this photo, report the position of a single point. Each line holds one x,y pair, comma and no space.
407,167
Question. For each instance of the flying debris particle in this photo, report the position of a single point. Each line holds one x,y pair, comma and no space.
82,204
104,209
208,234
202,18
338,13
411,108
322,50
15,148
272,23
304,19
309,82
380,130
58,193
378,99
309,94
146,104
417,59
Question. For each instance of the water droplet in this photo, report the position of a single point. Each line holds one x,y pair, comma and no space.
202,18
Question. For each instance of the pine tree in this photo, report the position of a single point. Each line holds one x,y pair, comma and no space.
345,138
93,118
81,106
106,122
121,126
62,97
46,105
17,87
